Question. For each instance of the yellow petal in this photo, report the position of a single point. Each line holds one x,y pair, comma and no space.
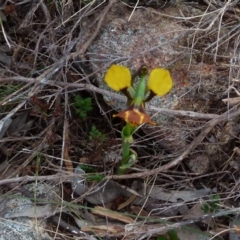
118,77
160,81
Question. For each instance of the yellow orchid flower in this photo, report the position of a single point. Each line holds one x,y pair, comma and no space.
118,77
160,81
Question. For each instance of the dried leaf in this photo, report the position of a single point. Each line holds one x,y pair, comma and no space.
126,203
192,232
173,196
78,182
4,125
195,212
103,230
139,211
4,165
36,211
106,192
4,58
19,123
111,214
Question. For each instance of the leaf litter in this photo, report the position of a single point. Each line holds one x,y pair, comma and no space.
68,51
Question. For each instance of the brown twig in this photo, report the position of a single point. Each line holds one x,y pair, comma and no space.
56,177
221,173
158,230
90,87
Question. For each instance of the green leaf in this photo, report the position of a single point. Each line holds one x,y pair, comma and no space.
87,169
96,135
130,161
83,106
173,235
213,205
95,178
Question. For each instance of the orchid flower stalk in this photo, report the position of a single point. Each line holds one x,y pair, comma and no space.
119,78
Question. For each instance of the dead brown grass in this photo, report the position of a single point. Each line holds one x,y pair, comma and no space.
51,50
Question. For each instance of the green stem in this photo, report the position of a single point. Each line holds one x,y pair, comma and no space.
126,151
140,92
126,141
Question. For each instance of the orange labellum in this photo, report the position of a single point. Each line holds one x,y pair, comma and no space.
135,117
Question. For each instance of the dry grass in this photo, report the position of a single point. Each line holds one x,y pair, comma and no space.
49,53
